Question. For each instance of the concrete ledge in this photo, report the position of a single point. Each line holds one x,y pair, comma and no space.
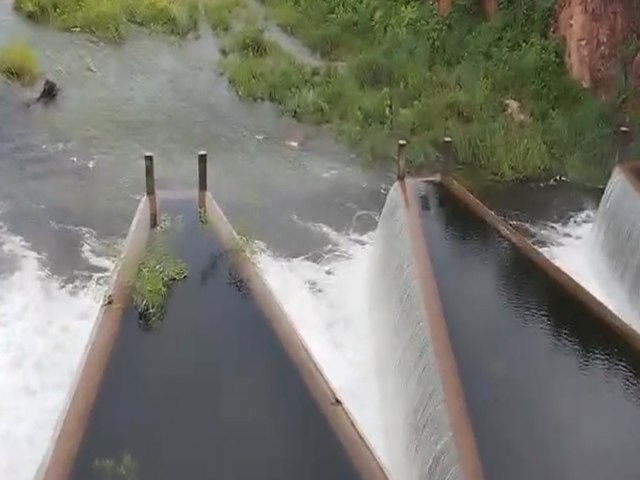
68,434
610,319
354,443
469,459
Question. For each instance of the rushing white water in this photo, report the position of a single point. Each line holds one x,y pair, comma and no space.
616,234
327,301
360,311
574,247
44,327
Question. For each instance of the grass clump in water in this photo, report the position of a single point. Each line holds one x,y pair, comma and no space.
110,19
19,63
157,272
498,88
124,469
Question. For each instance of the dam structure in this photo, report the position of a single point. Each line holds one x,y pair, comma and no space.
492,363
222,388
532,377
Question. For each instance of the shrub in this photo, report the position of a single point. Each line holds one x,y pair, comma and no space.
158,270
19,63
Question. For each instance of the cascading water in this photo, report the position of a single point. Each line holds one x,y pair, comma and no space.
416,428
616,233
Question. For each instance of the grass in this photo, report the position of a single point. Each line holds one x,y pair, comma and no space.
220,13
202,216
19,63
124,469
499,88
111,19
158,270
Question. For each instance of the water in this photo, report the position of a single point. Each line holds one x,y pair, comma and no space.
216,377
561,219
616,234
540,372
71,176
414,419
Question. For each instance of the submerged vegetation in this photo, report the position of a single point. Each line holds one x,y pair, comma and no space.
19,63
110,19
396,69
157,272
124,469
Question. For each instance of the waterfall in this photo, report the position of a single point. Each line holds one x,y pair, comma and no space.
418,436
616,232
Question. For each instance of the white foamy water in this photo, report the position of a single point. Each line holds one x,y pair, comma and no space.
570,246
327,301
44,328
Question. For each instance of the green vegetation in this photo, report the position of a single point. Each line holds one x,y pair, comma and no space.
19,63
219,13
157,272
124,469
243,245
396,69
202,216
110,19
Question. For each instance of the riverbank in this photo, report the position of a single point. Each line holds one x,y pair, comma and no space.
394,70
499,89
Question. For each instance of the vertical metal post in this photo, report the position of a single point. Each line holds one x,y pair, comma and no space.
401,160
202,179
623,142
151,189
446,166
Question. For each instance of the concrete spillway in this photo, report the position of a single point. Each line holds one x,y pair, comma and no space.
491,363
552,391
419,436
222,389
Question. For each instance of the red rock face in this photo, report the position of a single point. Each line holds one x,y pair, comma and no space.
444,6
490,8
595,33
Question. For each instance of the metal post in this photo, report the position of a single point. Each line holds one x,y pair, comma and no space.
151,189
446,166
623,141
202,179
401,159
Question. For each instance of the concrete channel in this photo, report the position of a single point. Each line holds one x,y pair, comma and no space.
551,377
225,388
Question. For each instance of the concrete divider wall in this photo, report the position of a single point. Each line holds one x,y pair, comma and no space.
353,441
417,429
58,460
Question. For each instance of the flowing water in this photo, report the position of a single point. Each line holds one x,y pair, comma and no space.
616,234
418,437
71,175
70,178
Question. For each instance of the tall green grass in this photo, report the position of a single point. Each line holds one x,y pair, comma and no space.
219,13
19,63
157,272
110,19
407,72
